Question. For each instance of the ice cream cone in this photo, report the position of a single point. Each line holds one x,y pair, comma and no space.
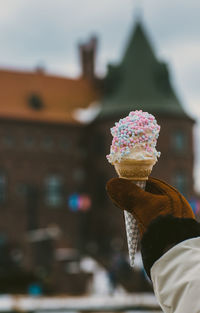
133,154
137,171
134,169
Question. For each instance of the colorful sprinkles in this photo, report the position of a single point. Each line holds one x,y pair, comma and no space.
137,129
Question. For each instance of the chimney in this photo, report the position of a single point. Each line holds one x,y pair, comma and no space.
87,53
40,69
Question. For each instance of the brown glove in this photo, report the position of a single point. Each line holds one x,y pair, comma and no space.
158,199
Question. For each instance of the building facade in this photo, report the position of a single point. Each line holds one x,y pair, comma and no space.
53,168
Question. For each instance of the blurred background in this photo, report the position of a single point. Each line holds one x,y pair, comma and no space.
68,71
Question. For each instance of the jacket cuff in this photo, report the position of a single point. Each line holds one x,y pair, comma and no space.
163,233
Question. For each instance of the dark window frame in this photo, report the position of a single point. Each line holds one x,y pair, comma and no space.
3,193
180,181
54,191
179,140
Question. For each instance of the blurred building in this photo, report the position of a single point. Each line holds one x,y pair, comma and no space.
55,134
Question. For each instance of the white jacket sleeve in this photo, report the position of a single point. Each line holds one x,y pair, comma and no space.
176,278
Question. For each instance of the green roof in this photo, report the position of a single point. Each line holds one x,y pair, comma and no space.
140,81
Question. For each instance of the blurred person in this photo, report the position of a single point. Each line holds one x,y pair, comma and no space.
119,268
170,240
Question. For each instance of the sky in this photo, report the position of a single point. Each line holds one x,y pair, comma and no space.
47,33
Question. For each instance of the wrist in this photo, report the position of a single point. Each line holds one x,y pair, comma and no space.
162,234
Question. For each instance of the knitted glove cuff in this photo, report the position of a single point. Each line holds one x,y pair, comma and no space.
163,233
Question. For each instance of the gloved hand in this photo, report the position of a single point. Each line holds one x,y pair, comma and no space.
158,199
164,216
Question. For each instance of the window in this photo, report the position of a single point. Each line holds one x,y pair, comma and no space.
5,257
47,142
21,189
79,175
8,141
29,142
65,145
3,239
179,141
72,267
54,191
35,102
2,187
181,182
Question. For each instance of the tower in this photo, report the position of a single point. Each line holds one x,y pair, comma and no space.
141,81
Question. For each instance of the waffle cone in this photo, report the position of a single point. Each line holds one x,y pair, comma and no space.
134,169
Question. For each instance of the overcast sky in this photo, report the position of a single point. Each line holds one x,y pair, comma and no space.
46,32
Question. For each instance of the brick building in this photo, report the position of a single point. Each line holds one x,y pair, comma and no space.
47,155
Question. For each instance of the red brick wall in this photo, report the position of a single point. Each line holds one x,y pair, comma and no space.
24,165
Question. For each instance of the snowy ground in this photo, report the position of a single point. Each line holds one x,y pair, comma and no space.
76,304
100,297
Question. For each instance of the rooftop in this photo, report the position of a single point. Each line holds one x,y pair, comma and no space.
140,81
35,96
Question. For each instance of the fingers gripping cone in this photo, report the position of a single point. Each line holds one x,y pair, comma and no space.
137,172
